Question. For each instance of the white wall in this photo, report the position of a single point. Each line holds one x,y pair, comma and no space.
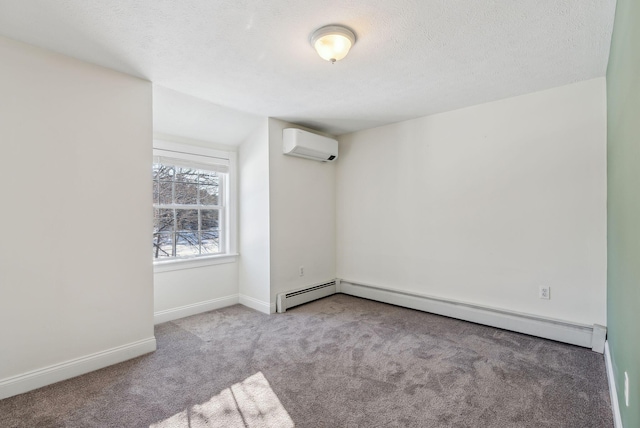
192,290
302,212
75,265
253,228
483,204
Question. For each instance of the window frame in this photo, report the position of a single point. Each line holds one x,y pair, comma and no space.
228,212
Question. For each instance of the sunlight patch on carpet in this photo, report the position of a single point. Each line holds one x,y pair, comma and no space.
250,403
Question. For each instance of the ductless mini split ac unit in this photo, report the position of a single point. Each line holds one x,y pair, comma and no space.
304,144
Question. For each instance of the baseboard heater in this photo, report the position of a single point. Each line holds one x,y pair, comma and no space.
588,336
300,296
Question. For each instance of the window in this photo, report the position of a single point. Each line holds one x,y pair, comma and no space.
190,203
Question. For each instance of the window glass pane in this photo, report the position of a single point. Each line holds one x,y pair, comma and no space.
208,178
165,192
187,244
186,193
187,220
186,175
162,220
162,245
210,242
156,171
209,195
163,172
155,192
209,220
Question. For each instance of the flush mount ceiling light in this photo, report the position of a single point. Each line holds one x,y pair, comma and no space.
332,42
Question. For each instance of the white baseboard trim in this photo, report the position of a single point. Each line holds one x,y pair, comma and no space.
66,370
258,305
562,331
193,309
613,392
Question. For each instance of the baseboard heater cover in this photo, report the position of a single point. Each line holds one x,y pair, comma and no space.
562,331
300,296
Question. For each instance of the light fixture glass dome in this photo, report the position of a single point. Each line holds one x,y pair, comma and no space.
332,42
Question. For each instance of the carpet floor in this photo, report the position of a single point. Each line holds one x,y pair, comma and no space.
336,362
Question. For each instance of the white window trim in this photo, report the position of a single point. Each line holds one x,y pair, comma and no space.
193,262
161,147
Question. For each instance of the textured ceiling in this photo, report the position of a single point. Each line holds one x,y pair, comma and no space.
175,113
411,58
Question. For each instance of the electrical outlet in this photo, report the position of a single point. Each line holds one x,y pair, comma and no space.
545,292
301,270
626,389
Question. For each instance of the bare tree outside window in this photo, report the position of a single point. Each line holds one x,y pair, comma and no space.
187,206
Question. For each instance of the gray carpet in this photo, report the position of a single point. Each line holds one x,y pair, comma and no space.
337,362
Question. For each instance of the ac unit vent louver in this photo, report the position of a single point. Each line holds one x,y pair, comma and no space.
304,295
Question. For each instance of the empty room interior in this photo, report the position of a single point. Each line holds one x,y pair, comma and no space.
320,214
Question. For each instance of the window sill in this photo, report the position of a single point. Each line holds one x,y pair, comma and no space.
171,265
